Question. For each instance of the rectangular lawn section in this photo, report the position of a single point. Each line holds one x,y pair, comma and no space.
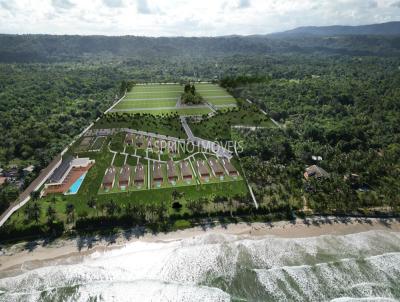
221,101
145,104
119,160
132,161
153,94
209,93
215,95
155,87
180,111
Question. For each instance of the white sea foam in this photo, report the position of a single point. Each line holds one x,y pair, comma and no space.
314,269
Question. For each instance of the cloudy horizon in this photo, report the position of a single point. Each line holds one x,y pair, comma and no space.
186,18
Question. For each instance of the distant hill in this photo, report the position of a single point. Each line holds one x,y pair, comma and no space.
386,29
378,39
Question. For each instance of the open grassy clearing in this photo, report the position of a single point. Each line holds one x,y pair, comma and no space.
167,125
145,104
153,94
155,87
215,95
173,111
222,101
218,127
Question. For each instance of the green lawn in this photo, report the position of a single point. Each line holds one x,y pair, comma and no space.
218,127
145,104
221,101
153,94
155,87
167,125
98,143
119,160
180,111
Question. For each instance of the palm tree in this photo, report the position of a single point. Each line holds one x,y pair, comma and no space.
69,210
111,207
36,212
230,204
51,214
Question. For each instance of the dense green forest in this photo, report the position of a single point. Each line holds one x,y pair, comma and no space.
348,115
335,97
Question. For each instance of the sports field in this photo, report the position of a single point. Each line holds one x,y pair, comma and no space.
216,95
157,99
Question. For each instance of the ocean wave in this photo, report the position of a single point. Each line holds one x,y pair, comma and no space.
139,290
315,269
375,276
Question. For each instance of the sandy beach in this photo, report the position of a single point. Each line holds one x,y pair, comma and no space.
33,254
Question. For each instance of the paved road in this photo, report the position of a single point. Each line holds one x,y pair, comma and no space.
187,129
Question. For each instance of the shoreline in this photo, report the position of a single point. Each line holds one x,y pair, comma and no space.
29,255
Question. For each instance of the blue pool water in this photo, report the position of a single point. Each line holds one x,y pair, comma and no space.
76,185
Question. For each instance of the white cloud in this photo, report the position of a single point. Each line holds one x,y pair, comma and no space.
186,17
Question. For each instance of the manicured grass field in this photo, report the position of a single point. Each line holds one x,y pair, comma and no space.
145,104
180,111
153,94
161,100
143,98
215,94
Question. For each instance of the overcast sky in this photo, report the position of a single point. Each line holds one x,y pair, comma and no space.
186,18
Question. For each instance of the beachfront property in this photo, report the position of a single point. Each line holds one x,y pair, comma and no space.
229,168
124,177
139,175
202,169
171,171
186,170
109,178
157,173
149,143
139,141
216,168
68,176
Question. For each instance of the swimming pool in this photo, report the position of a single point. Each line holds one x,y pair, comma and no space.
76,185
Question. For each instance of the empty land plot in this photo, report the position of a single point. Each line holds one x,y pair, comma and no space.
153,94
215,95
145,104
98,143
151,87
166,110
150,99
